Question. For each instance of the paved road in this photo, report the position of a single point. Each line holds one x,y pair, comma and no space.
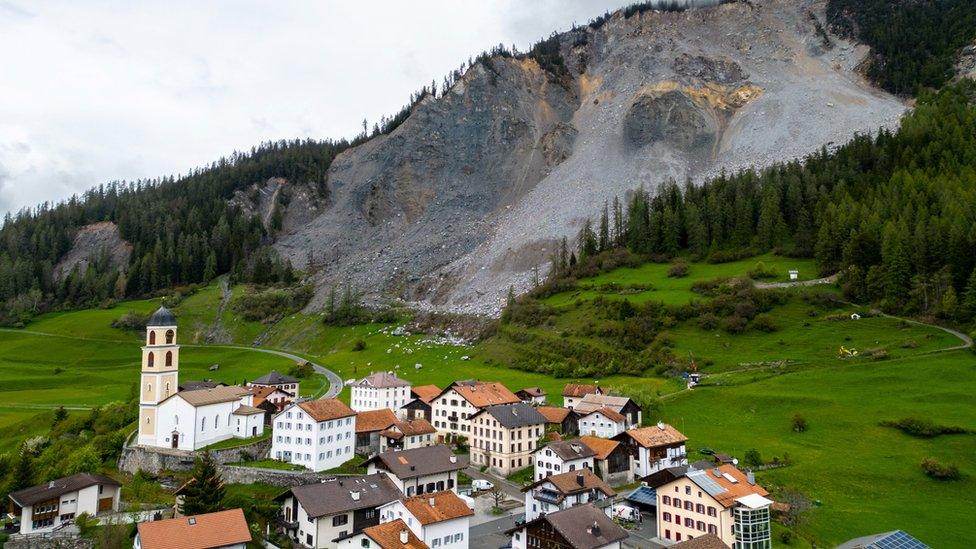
511,489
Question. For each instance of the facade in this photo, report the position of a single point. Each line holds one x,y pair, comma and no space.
419,405
574,392
504,436
322,514
407,434
579,527
288,384
603,423
420,470
631,412
223,529
382,390
273,395
44,507
722,501
160,373
452,409
560,457
612,461
562,420
388,535
369,425
563,491
655,448
535,396
318,434
439,519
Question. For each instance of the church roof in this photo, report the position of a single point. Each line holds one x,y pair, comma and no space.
162,317
203,397
274,378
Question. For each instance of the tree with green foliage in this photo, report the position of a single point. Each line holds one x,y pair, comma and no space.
204,492
23,473
967,308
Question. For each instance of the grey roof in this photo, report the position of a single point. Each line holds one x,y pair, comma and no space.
895,539
197,385
162,317
274,378
705,482
568,449
382,380
705,541
345,494
593,402
576,526
418,462
515,415
59,487
643,494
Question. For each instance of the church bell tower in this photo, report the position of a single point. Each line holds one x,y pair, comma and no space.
160,371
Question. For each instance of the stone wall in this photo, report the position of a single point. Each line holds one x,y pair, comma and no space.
236,474
58,540
154,460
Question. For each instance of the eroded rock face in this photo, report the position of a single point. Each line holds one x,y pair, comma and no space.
89,243
670,117
718,70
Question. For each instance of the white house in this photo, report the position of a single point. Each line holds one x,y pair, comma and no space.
187,420
657,447
379,391
580,527
535,396
407,434
452,409
574,392
624,406
44,507
283,382
603,423
420,470
439,519
561,456
563,491
318,434
221,530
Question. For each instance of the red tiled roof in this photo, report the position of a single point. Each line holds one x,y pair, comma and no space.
196,532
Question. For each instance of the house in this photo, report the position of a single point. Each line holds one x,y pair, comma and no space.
561,420
419,405
44,507
439,519
532,395
318,434
620,404
223,529
580,527
452,408
655,448
603,423
563,491
287,384
561,456
407,434
378,391
389,535
273,395
420,470
368,427
574,392
722,501
191,419
893,539
708,541
612,461
318,514
503,436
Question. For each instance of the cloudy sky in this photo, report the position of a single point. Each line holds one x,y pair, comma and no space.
94,91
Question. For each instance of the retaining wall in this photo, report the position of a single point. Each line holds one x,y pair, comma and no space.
154,460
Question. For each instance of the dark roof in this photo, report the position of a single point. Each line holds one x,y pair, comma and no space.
576,526
532,392
59,487
274,378
512,416
197,385
340,495
418,462
162,317
704,541
568,449
664,476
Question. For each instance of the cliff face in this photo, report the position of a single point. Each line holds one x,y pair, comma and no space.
470,194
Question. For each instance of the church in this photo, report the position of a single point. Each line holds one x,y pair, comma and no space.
187,420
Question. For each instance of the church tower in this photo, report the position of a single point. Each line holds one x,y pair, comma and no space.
160,370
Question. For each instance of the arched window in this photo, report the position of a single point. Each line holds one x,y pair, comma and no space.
170,335
216,419
176,419
149,387
151,360
169,358
167,388
712,529
152,337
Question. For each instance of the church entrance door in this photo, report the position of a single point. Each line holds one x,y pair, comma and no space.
176,440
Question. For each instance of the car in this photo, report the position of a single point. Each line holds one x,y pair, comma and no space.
481,484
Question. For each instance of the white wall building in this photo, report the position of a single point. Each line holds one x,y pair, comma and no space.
318,434
420,470
573,393
657,447
378,391
452,409
603,423
44,507
560,457
563,491
439,519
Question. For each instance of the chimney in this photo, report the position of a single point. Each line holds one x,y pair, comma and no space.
660,425
594,529
404,538
453,458
50,484
579,479
432,502
751,477
354,494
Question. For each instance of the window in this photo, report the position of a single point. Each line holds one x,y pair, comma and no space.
699,508
365,542
700,526
152,337
677,502
339,520
666,517
203,421
150,360
689,506
688,490
666,500
712,529
712,512
169,358
689,523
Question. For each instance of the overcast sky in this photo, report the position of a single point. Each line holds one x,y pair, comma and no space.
92,92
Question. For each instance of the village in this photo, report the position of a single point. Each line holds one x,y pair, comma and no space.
473,464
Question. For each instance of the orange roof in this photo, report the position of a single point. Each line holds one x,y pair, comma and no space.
483,394
375,420
437,507
426,393
387,535
553,414
733,490
580,389
613,416
603,447
326,408
409,427
196,532
661,434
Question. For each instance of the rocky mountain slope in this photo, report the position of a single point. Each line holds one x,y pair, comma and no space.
471,193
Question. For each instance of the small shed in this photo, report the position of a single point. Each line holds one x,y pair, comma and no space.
794,274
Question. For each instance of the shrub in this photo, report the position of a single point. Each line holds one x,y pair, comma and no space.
938,470
734,324
708,321
131,320
764,323
786,537
753,457
799,423
761,271
270,305
301,370
678,270
359,344
746,309
923,428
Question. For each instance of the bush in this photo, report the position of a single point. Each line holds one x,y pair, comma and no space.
678,270
753,457
359,344
786,537
923,428
764,323
270,305
708,321
131,320
301,370
761,271
938,470
799,423
734,324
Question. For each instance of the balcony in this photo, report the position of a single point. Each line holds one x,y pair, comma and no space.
547,496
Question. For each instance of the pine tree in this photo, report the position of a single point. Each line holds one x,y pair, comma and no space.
204,492
210,268
563,255
23,474
967,310
587,241
949,303
603,242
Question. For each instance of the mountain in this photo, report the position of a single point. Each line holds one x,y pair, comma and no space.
471,193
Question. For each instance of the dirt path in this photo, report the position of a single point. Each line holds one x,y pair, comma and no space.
217,333
799,283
